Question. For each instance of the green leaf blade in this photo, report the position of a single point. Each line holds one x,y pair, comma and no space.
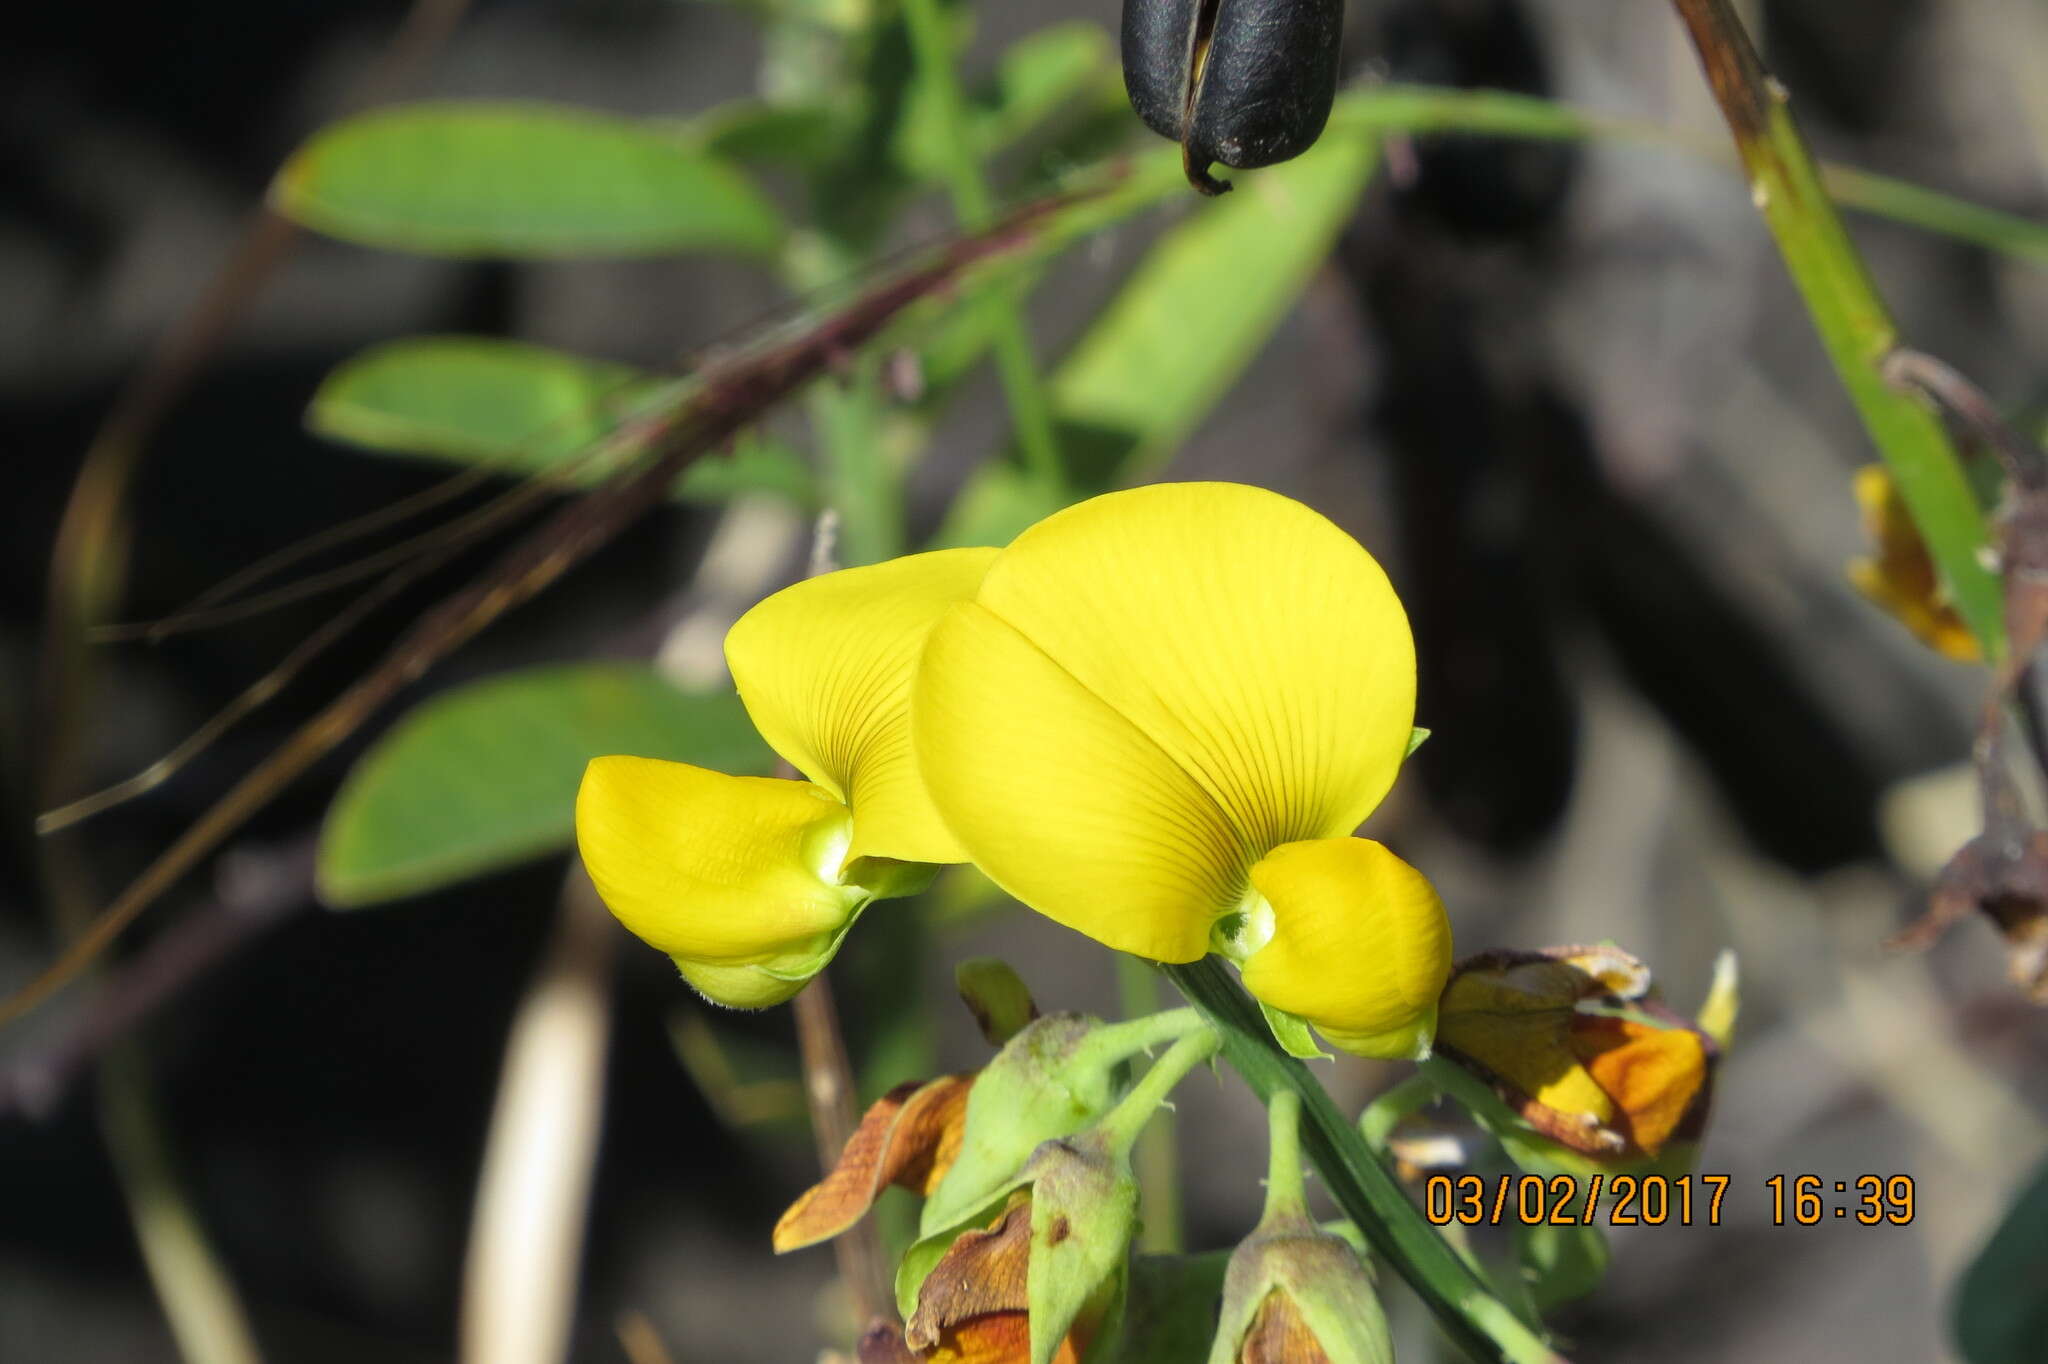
527,411
475,179
471,399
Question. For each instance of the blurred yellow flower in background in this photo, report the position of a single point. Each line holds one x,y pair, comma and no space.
1900,578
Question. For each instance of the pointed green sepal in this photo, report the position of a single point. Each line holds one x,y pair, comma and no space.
997,997
1291,1031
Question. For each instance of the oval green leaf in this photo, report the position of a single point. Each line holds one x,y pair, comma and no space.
520,180
526,410
485,776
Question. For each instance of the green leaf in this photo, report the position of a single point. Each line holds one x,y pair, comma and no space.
1169,1316
526,410
520,180
473,399
2001,1310
1182,330
485,776
1205,301
1560,1263
1035,79
798,135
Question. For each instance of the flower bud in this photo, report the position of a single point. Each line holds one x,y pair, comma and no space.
1296,1295
997,997
1293,1293
1055,1077
1057,1250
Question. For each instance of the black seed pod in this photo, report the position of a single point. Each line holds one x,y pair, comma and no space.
1242,82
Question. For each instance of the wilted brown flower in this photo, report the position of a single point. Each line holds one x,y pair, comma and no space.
909,1136
1573,1040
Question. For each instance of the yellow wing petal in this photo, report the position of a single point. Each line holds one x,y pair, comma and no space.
1360,945
1061,801
715,869
1259,646
824,668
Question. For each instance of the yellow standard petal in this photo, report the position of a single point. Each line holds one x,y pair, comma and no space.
716,871
1359,945
825,667
1153,689
1062,802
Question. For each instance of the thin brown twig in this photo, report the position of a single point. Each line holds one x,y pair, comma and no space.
228,590
413,559
829,1089
1948,388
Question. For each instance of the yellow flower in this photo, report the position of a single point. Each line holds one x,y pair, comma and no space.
1901,579
1158,721
750,882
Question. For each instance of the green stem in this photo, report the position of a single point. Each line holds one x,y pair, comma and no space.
1123,1123
1114,1041
1023,386
1854,324
1157,1159
1368,1194
860,483
1285,1196
1384,1114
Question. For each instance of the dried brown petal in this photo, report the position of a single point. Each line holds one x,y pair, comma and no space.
909,1136
1604,1085
982,1272
1280,1336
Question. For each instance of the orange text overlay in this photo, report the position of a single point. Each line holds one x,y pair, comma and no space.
1696,1200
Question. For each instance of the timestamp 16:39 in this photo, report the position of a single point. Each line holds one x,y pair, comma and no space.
1652,1199
1869,1199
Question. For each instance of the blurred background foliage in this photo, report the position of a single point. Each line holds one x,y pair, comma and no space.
1557,380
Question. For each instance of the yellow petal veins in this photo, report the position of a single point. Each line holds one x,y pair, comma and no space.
825,668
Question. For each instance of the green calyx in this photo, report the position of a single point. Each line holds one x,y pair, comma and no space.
1056,1076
